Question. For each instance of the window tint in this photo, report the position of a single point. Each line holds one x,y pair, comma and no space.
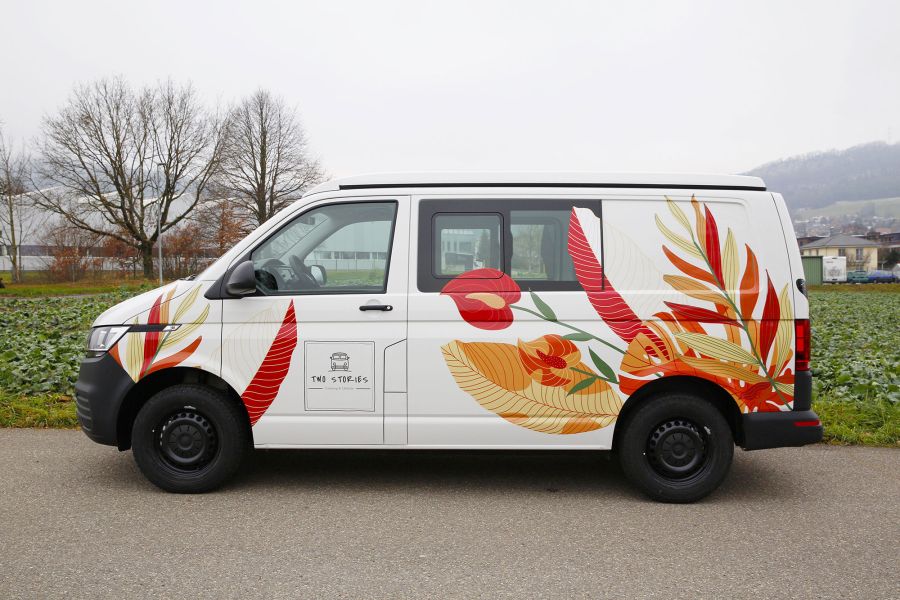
464,242
540,245
341,248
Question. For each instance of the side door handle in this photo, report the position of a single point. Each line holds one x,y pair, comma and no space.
383,307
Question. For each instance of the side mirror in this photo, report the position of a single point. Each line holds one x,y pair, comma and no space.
319,273
242,281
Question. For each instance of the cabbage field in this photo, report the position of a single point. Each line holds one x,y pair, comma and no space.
856,360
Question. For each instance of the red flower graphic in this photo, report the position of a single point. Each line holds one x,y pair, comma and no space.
483,297
549,359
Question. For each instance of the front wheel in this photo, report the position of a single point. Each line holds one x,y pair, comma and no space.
676,448
189,439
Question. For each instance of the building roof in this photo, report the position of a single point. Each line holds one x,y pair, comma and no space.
841,241
542,179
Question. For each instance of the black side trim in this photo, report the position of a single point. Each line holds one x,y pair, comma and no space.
654,186
779,429
148,327
802,390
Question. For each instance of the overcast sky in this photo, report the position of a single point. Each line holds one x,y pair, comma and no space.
547,85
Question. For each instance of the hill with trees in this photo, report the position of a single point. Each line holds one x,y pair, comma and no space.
865,172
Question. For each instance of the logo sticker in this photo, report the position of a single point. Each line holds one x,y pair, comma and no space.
340,376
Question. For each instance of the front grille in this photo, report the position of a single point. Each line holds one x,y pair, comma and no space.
83,410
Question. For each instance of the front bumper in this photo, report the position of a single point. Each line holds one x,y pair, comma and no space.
101,387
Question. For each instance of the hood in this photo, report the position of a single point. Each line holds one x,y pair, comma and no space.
126,311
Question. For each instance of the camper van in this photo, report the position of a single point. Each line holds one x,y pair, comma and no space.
662,318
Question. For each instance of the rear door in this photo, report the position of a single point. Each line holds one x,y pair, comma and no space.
338,270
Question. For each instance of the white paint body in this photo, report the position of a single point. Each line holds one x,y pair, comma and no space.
409,398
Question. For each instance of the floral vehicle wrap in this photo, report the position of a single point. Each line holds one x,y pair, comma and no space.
262,368
483,297
141,353
732,327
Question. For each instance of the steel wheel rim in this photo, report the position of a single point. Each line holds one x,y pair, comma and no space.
186,441
678,450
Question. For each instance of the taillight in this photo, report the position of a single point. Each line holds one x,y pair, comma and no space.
803,344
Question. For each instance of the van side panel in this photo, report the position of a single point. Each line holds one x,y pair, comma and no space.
709,278
675,284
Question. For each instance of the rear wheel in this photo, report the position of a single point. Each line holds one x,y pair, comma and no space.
676,448
189,439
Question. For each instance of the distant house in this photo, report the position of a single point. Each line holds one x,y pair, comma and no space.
862,254
804,240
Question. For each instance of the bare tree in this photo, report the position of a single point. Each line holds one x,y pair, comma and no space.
129,164
266,162
70,251
17,219
223,224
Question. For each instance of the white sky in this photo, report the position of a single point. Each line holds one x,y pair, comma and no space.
397,86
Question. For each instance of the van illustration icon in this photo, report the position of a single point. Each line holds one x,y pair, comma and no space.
340,361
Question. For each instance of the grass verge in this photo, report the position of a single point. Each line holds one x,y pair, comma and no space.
875,423
846,422
45,411
35,290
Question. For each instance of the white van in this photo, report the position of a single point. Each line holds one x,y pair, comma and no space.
662,317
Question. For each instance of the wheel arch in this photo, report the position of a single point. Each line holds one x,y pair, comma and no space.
696,386
144,389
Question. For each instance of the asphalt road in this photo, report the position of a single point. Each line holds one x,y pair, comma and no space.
78,520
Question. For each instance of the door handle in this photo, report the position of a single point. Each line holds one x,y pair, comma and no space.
384,307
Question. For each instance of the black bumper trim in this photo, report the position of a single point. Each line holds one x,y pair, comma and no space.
101,387
779,429
802,390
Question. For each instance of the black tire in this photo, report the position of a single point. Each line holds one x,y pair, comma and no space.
676,448
189,439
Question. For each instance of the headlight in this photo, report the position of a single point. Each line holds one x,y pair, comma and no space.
103,338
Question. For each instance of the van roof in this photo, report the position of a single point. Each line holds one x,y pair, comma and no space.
542,179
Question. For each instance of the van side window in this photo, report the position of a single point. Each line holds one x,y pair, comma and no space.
333,249
525,238
540,245
466,242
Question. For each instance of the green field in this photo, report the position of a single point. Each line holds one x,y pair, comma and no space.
35,285
856,360
883,207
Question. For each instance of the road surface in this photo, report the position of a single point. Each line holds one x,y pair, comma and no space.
78,520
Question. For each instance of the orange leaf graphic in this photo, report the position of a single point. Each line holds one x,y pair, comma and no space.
687,268
175,359
749,285
493,375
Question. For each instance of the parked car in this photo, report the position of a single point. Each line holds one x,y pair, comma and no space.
881,277
857,277
661,317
